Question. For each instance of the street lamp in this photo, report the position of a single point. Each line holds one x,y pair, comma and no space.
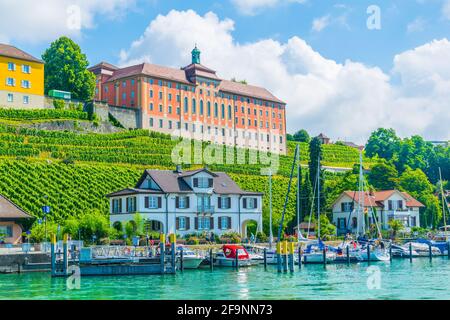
45,210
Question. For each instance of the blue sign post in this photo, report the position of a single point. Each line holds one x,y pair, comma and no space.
45,210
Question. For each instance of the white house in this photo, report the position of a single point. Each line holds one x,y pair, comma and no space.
185,202
387,205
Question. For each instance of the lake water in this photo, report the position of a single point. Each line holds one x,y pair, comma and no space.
399,279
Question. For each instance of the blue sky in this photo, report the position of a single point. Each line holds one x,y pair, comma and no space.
335,74
337,41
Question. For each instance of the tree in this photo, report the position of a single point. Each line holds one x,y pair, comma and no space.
383,143
383,176
289,137
327,229
94,224
66,69
306,198
302,136
415,182
315,157
71,226
396,226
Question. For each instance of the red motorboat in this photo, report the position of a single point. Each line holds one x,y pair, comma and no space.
227,258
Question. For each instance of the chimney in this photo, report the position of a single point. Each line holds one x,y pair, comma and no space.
178,169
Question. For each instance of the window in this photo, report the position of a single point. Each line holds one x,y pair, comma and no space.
160,83
193,127
201,107
203,202
150,80
160,95
186,107
186,127
194,106
117,205
26,84
204,223
10,97
26,99
341,223
229,112
160,123
182,202
347,206
151,106
223,111
178,110
151,122
11,66
124,96
132,82
151,93
170,124
224,223
10,82
170,109
224,202
26,68
124,84
208,104
6,230
182,223
354,222
202,182
216,110
170,97
131,204
250,203
132,94
160,107
152,202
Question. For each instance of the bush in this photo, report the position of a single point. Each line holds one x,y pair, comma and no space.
58,104
231,237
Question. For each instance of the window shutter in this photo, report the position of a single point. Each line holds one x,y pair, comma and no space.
219,222
196,223
177,202
342,207
255,203
195,182
211,224
245,203
120,205
9,231
219,202
229,203
147,200
187,202
229,222
159,203
188,223
177,223
210,182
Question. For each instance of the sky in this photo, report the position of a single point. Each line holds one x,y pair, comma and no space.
344,68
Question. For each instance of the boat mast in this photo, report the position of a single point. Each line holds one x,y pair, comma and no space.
443,200
318,197
298,198
270,210
361,194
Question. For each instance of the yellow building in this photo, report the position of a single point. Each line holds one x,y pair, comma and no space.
21,79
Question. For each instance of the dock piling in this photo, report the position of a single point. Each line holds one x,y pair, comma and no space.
181,259
324,256
236,260
279,257
291,256
265,258
65,257
211,260
162,241
448,250
347,251
173,248
285,256
430,253
368,253
410,252
390,251
300,257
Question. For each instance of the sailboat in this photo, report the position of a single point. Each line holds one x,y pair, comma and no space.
375,249
317,251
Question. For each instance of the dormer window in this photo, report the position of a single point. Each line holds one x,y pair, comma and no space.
203,182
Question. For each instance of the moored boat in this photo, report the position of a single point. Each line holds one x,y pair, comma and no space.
227,257
191,259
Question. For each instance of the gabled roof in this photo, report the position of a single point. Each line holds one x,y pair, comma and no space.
173,182
248,90
13,52
377,198
9,210
103,65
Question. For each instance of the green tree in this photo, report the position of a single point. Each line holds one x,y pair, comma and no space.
302,136
383,143
413,152
327,229
383,176
66,69
396,226
94,224
71,226
431,215
315,158
415,182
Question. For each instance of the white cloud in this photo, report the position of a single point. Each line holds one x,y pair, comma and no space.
34,21
340,99
321,23
446,9
252,7
416,25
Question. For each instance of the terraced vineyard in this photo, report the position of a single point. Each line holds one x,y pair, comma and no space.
72,172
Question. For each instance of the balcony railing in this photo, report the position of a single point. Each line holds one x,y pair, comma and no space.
205,209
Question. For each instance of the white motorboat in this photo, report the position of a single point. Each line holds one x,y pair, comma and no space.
191,259
314,253
422,249
376,254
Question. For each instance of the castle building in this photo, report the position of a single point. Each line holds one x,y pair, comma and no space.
193,102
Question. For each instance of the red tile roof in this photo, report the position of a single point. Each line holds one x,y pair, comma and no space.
376,198
182,76
13,52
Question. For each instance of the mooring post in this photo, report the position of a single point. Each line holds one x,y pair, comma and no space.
181,260
390,251
236,259
162,242
65,255
173,245
300,257
53,254
265,258
347,251
211,260
430,253
448,250
324,256
285,256
410,252
291,256
279,256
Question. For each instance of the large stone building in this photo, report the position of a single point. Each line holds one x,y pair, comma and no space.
22,83
194,102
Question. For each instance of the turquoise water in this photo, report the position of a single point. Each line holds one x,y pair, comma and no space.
400,279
